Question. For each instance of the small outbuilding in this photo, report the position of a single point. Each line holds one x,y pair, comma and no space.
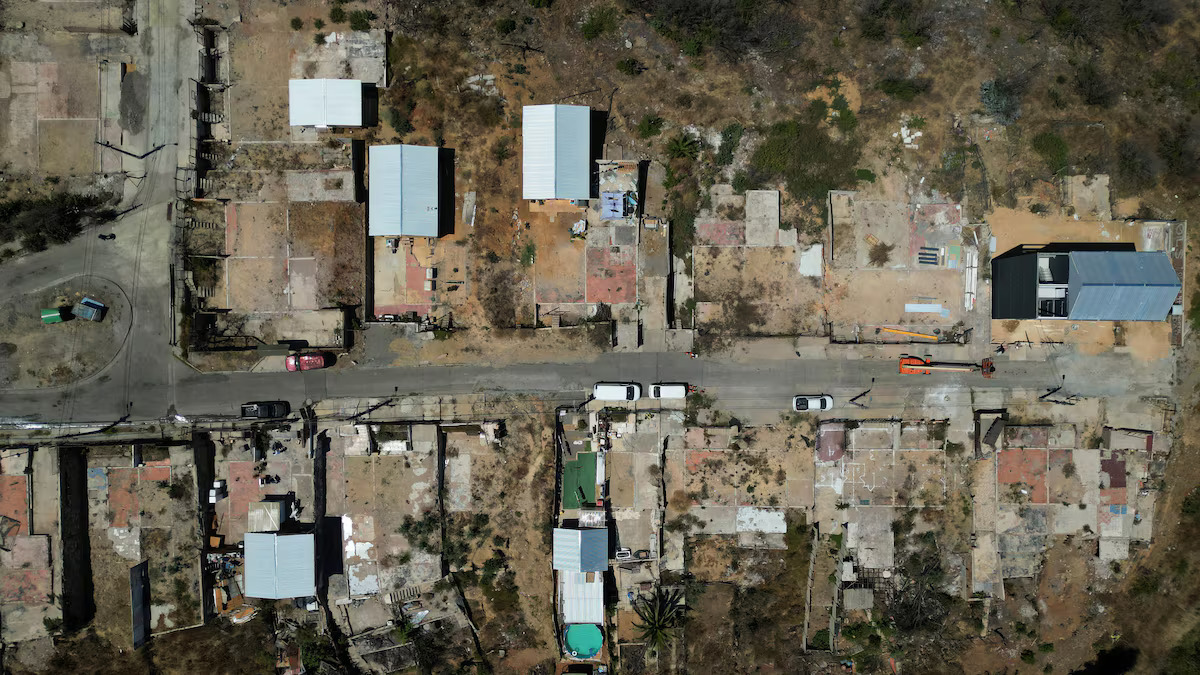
280,566
403,189
556,148
266,516
325,103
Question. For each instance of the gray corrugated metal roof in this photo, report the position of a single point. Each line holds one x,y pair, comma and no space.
280,566
325,103
403,191
1121,286
555,152
581,550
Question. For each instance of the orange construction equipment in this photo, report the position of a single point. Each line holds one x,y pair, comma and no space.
916,365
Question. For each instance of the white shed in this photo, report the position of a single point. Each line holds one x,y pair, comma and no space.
325,103
403,191
555,152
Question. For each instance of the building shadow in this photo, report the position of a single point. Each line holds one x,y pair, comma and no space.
598,124
445,184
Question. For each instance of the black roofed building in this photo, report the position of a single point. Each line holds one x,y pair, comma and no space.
1083,282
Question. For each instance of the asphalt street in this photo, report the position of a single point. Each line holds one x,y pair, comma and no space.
744,389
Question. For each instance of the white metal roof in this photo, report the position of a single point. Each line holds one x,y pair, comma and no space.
325,103
403,191
555,151
582,601
280,566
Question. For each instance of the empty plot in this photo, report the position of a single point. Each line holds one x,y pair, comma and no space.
256,230
67,147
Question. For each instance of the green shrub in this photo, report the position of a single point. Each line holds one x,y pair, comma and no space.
599,22
505,26
692,47
1191,503
865,174
1146,583
741,182
297,23
318,23
731,136
847,121
541,4
319,38
360,19
1028,656
810,162
630,67
649,126
337,14
1001,98
528,254
1046,647
399,121
1052,148
903,89
820,640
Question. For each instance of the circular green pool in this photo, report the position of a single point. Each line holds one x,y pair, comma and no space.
583,640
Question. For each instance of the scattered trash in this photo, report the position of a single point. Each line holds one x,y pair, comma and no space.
908,136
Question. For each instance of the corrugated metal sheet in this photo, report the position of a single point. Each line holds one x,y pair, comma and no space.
581,601
325,103
403,187
280,566
580,550
1121,286
265,517
555,152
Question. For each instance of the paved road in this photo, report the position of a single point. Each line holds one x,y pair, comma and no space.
745,389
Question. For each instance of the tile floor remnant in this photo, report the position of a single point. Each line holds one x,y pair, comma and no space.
767,521
720,233
612,274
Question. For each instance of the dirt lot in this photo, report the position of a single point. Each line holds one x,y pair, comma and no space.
33,354
755,291
137,514
511,591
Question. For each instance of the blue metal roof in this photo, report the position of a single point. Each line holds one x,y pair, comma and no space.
555,152
581,550
1121,286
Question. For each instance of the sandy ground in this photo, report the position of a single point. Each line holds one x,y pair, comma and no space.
1014,227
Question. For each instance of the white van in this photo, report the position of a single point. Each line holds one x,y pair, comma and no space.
617,391
664,390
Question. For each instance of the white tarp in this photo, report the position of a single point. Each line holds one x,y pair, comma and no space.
325,103
555,152
403,191
582,600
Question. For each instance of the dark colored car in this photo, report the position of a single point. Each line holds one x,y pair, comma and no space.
265,410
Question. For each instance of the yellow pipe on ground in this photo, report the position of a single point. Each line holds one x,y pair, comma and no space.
909,333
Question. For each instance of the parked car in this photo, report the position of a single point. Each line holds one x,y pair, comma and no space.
807,403
617,391
265,410
664,390
310,361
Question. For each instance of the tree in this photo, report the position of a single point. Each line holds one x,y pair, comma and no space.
659,613
683,146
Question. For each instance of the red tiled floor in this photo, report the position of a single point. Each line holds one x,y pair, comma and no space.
13,501
24,586
159,471
122,496
694,459
612,277
721,234
1023,465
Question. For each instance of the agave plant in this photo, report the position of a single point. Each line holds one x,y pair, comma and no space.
660,613
683,146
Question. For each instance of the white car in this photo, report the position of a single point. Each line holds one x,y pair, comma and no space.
617,391
807,403
662,390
